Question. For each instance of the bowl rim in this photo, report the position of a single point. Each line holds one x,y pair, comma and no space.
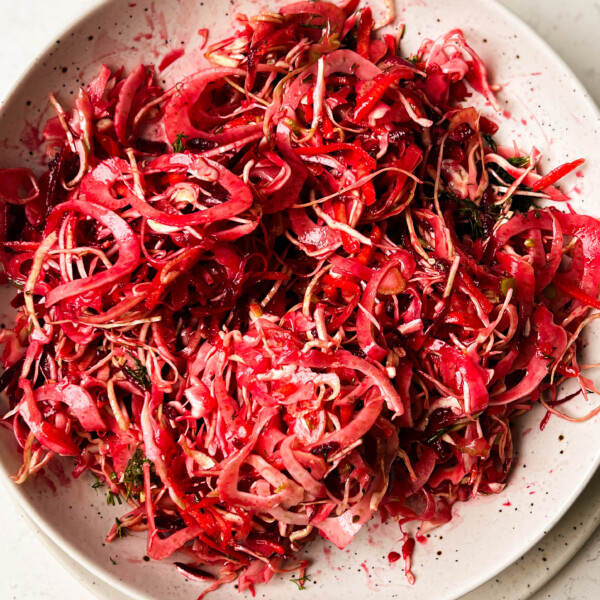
19,82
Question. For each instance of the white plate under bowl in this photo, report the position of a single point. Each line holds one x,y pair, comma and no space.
543,104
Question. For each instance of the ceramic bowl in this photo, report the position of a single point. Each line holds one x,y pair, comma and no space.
542,105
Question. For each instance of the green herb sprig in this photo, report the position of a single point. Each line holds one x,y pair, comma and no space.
178,144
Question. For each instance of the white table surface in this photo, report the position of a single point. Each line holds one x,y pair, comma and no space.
27,570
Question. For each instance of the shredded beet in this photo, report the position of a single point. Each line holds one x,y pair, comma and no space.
301,286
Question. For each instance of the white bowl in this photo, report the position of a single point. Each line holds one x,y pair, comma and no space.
519,581
544,105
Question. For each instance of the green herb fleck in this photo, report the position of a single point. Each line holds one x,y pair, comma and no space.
110,498
112,561
519,161
300,582
120,531
490,142
502,174
444,430
15,283
519,203
549,358
312,17
471,214
178,144
438,434
133,476
139,373
98,483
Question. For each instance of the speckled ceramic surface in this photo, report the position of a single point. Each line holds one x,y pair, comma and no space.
517,582
543,105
